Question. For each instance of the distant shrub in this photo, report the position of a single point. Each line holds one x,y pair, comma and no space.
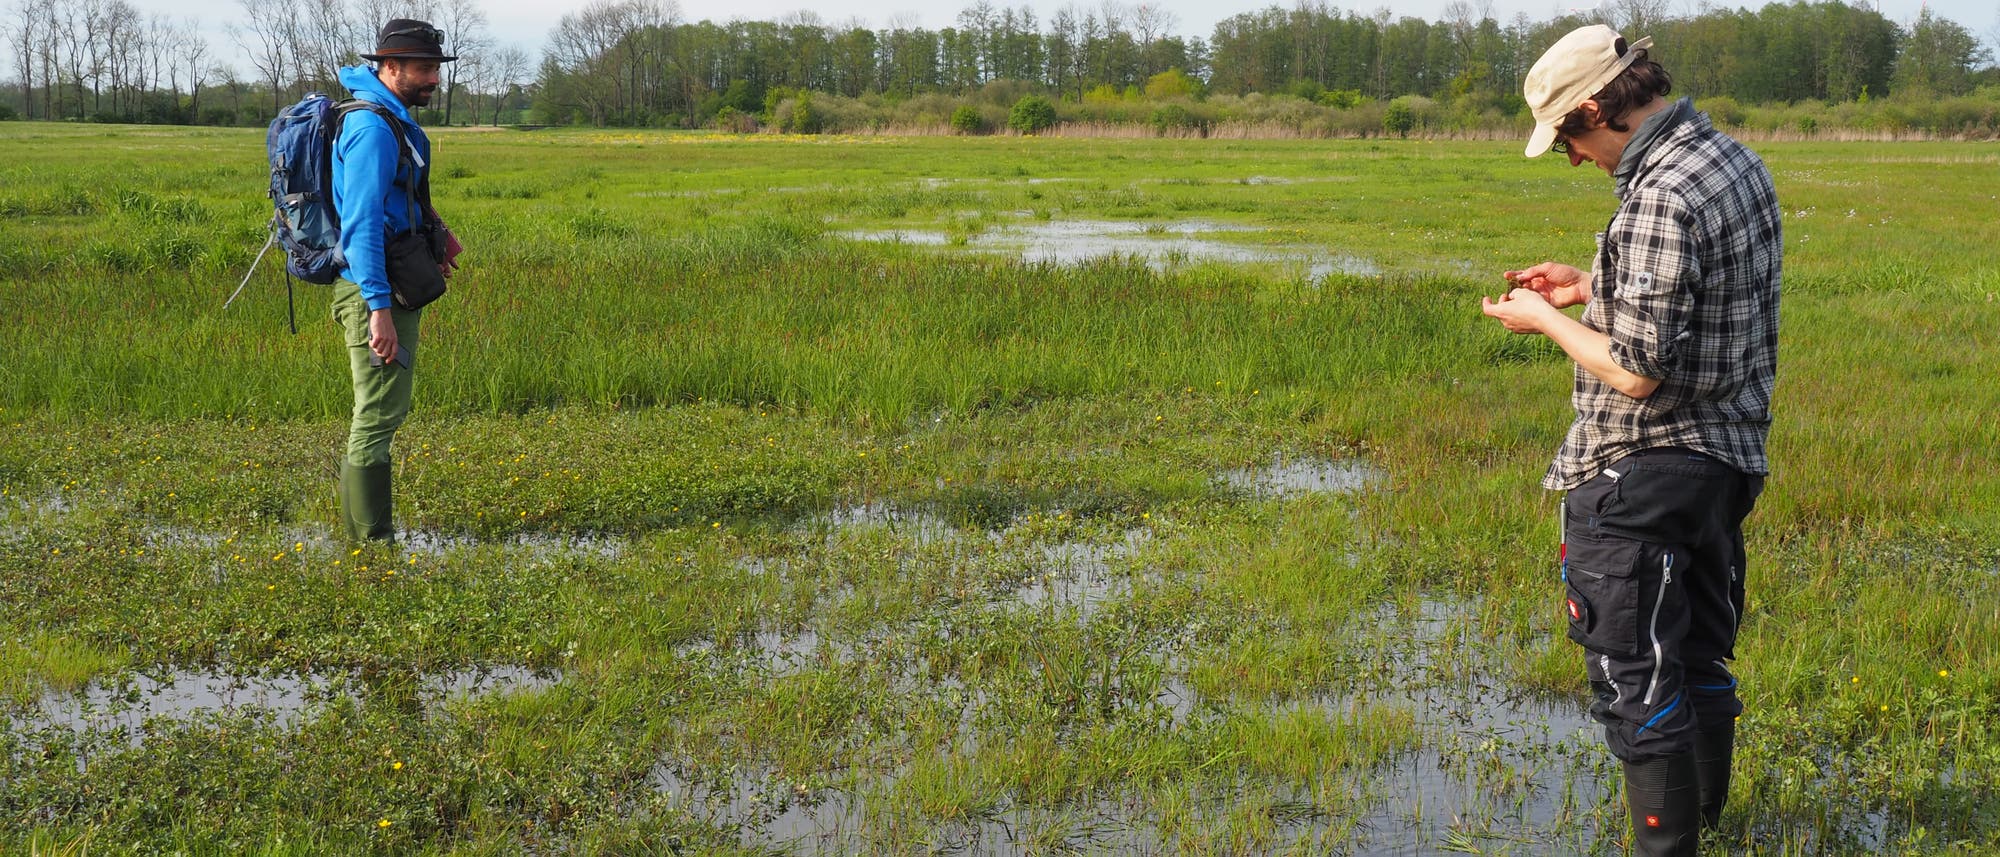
966,120
1031,114
735,121
798,116
1399,118
1172,83
1172,118
1103,93
6,113
1003,93
1340,99
1722,110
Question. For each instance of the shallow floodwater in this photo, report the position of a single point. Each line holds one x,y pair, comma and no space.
1161,245
1291,477
124,707
1502,769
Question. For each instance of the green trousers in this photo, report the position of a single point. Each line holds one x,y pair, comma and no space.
381,393
381,403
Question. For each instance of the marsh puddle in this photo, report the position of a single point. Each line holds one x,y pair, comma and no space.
919,526
53,503
529,545
125,707
773,653
766,813
1493,768
1077,575
898,236
1291,477
1161,245
428,542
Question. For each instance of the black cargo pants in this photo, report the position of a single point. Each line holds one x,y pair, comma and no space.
1652,570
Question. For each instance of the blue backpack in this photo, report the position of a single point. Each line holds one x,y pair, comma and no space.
300,148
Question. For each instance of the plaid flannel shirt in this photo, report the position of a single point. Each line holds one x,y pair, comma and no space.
1685,284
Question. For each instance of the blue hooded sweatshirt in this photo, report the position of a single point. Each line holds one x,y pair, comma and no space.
366,172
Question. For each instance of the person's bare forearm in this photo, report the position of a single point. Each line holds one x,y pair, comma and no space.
1592,350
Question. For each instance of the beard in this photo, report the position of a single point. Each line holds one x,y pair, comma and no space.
418,96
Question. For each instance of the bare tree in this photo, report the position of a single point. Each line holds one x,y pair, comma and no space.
510,65
322,42
464,28
266,36
157,53
46,56
370,15
226,73
28,31
191,49
117,40
1152,22
1634,17
1460,18
72,37
583,44
472,72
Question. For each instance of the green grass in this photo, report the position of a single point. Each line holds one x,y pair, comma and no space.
663,386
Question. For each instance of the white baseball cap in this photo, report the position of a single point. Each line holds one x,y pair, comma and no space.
1570,73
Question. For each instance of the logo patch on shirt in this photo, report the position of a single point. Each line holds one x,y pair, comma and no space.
1643,279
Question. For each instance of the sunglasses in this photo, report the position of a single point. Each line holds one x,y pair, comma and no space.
429,34
1560,146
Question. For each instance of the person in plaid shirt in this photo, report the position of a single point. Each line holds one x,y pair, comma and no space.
1676,358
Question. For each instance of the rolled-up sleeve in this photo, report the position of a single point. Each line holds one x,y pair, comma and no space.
1657,272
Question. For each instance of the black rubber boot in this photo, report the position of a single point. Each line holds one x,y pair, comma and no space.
1714,747
1666,806
365,503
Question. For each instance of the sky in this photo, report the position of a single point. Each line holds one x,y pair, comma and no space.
526,23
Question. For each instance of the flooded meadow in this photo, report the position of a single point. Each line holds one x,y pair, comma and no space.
947,496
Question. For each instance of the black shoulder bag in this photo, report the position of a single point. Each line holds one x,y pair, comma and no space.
414,277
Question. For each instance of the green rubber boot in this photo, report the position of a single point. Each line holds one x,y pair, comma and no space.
365,502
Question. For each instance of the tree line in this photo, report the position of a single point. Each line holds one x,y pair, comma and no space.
634,62
102,60
640,62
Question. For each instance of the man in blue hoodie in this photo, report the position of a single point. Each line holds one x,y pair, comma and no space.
375,190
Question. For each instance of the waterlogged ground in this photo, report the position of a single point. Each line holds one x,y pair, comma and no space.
993,496
916,667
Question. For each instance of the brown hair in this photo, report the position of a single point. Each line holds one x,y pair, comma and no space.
1637,85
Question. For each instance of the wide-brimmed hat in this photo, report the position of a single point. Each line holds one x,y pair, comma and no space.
409,39
1570,73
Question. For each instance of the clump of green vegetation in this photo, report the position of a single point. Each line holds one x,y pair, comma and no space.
1033,113
967,120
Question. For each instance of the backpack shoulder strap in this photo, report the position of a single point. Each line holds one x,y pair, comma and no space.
340,111
405,152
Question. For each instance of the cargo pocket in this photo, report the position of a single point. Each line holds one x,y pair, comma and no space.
1601,593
